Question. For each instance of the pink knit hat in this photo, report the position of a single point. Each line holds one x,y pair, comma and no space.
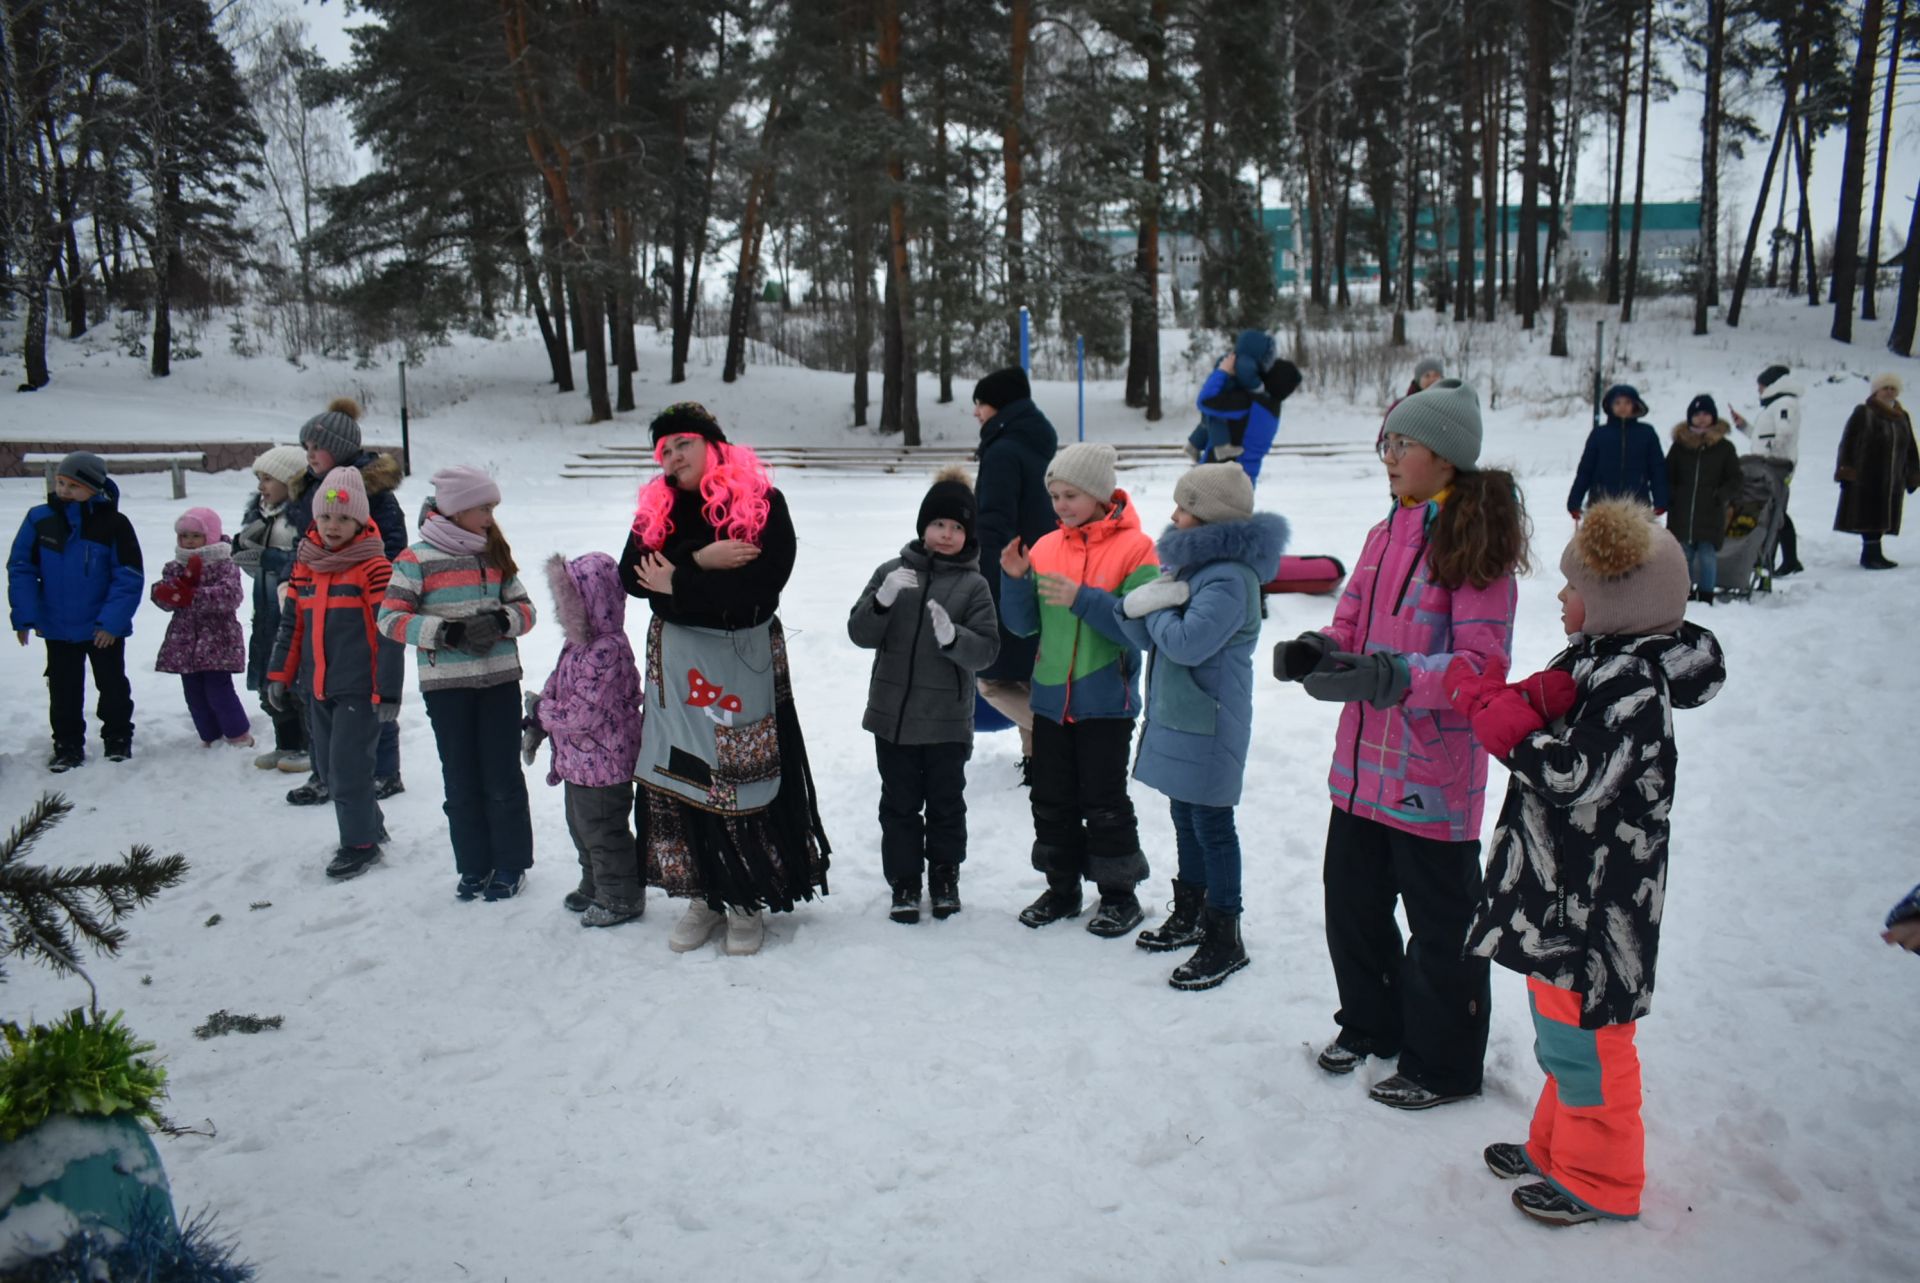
460,487
343,493
204,521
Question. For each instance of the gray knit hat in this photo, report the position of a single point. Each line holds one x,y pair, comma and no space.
335,430
86,467
1445,418
1428,365
1086,466
1216,492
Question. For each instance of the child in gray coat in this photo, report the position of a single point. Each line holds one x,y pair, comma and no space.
930,615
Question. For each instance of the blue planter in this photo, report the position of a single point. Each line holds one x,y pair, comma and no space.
73,1173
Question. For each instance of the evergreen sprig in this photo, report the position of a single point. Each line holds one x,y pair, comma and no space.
48,911
80,1064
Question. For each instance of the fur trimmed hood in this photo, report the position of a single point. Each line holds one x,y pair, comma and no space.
587,597
1714,435
1257,541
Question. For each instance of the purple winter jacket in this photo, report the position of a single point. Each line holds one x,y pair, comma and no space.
591,704
204,636
1415,766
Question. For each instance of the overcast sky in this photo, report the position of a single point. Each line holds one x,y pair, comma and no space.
1673,142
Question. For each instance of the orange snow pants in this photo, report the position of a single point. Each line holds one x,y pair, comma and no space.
1586,1138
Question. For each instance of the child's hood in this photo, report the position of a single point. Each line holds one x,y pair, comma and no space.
1689,658
107,496
1257,542
1714,435
915,555
380,473
1620,390
587,596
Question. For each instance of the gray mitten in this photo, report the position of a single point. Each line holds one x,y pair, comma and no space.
484,632
279,700
387,711
531,732
1305,654
1156,594
1380,679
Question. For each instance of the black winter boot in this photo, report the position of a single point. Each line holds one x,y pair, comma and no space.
1119,913
312,793
1872,558
65,758
121,750
1060,900
1219,955
943,884
352,861
906,902
1182,928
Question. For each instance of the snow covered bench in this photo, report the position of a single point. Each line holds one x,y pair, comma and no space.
117,462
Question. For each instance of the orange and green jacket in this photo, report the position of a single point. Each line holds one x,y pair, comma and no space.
1082,671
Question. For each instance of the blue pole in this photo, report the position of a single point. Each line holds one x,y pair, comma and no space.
1026,355
1080,374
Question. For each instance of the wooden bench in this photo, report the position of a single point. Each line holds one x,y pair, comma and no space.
176,464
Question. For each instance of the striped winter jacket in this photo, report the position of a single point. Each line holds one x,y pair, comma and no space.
431,588
1082,670
328,644
1415,766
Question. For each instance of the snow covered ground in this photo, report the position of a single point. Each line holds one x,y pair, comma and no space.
475,1091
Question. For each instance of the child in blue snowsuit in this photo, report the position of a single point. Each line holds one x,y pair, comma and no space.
1623,458
75,577
1240,404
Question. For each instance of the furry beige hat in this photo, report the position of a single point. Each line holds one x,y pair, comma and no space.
1628,569
1885,379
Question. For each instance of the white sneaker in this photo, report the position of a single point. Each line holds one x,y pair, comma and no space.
695,927
744,933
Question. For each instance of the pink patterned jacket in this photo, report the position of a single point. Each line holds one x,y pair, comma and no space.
204,636
591,703
1415,766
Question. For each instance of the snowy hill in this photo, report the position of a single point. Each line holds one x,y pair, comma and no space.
468,1091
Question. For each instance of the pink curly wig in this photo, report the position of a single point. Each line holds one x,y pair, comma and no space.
733,496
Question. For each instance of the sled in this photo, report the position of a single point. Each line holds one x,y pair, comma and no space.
1316,575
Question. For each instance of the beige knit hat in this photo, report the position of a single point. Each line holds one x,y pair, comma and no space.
1086,466
1216,492
1885,379
1628,569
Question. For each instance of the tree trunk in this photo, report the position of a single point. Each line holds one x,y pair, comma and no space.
1803,146
1342,298
1143,339
1906,307
1707,273
590,335
1846,242
862,289
1563,268
1745,269
1463,205
1631,284
1624,101
1492,128
1011,161
1872,282
556,344
900,410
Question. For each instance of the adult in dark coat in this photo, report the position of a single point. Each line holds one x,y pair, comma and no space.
1016,445
1703,474
1878,466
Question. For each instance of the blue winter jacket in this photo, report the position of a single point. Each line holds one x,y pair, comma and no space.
74,568
1233,414
1016,445
1623,458
1200,666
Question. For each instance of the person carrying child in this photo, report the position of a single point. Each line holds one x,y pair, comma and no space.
930,617
74,576
201,592
1434,582
1198,624
331,649
1577,875
1086,689
1239,404
263,548
456,596
1622,456
1703,472
591,709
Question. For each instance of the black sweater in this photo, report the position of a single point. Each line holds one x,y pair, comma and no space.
738,598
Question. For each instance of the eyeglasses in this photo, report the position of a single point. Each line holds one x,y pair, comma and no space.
1393,447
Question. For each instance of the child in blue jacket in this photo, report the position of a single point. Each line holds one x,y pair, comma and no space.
1239,404
1199,623
75,577
1623,458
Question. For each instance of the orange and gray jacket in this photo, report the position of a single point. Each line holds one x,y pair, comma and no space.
329,645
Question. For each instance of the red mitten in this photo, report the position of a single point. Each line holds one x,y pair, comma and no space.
1504,721
1550,691
167,595
1469,691
193,572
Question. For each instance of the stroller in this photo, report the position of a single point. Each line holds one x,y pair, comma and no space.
1745,564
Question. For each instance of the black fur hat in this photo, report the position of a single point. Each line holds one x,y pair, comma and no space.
950,496
685,418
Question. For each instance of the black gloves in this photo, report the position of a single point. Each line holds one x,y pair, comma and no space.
1304,654
1380,679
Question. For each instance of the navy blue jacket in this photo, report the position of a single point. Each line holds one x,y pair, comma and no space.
74,568
1016,445
1623,458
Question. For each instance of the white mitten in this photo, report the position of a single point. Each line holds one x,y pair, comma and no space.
898,580
1155,594
942,623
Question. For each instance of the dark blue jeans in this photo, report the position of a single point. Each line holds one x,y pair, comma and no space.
1209,850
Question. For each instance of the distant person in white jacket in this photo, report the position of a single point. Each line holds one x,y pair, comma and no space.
1775,433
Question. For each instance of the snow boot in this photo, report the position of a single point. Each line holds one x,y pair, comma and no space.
1401,1092
121,750
1119,913
65,758
504,884
745,931
1507,1160
943,884
296,762
1058,901
606,915
1339,1058
696,925
271,759
1549,1206
352,861
1182,928
1219,955
312,793
906,902
386,786
470,886
576,901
